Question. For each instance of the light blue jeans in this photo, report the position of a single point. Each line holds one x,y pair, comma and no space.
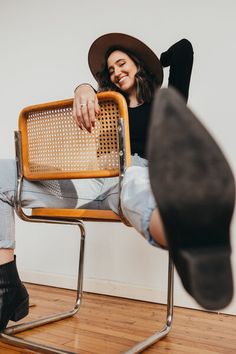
137,201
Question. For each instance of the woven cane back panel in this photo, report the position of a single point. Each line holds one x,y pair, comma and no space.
56,144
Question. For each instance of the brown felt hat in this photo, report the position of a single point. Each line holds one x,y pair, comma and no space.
99,48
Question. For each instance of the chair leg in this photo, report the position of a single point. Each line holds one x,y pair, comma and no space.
138,348
8,335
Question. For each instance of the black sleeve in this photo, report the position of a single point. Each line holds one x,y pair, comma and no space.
180,59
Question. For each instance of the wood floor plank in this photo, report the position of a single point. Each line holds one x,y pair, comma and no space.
111,325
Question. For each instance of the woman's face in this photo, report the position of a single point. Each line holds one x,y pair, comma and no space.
122,70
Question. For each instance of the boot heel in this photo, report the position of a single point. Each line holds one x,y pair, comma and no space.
21,311
209,275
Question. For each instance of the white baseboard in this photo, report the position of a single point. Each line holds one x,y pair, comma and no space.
98,286
113,288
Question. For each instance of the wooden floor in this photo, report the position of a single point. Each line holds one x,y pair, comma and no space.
110,325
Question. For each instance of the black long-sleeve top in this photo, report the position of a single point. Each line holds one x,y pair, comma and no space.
179,57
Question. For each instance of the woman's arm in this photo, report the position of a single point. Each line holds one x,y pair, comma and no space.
180,59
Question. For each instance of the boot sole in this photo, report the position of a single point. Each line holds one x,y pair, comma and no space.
194,189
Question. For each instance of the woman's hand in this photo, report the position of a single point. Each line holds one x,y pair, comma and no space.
85,107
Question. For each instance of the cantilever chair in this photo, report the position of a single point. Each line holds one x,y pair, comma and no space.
49,145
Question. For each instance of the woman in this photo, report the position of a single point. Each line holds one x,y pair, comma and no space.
135,72
125,64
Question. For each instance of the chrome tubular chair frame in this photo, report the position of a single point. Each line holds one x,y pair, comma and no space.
9,334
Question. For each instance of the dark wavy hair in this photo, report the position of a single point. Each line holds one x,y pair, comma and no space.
146,82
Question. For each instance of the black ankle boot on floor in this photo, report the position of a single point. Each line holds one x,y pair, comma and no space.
194,188
14,298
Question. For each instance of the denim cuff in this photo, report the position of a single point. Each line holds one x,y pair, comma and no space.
146,233
7,244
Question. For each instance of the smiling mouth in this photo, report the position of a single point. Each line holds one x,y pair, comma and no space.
122,79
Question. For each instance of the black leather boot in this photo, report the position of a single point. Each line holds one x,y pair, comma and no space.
14,298
194,188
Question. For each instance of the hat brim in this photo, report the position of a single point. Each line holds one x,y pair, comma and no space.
99,48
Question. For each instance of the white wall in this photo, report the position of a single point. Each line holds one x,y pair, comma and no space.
44,47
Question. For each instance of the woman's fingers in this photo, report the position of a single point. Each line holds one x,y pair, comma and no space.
86,119
91,113
77,114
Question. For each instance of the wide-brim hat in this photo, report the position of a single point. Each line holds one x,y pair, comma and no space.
99,48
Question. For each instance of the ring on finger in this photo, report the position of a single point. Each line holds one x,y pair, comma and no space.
83,104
